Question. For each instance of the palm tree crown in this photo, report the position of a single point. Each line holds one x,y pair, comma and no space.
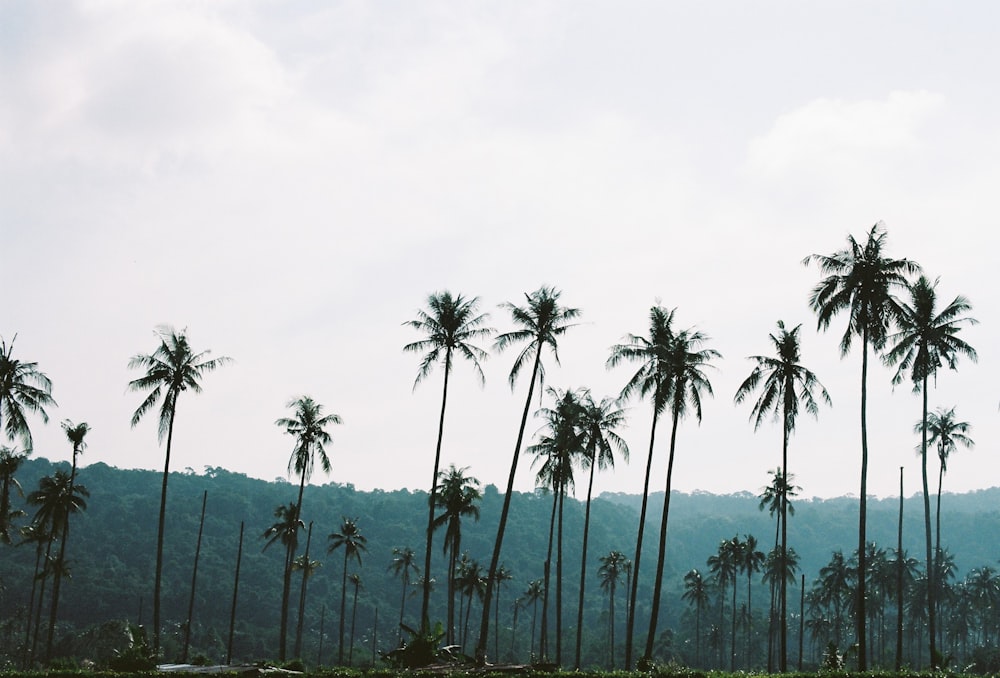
22,389
946,433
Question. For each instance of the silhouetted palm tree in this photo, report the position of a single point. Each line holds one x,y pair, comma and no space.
927,341
459,498
403,562
945,433
751,560
22,389
307,566
785,385
610,575
168,371
558,446
696,593
687,361
286,531
723,566
354,543
652,379
534,593
540,323
10,462
451,324
860,281
599,441
75,433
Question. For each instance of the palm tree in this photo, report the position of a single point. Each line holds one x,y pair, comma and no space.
403,561
946,434
36,533
723,566
686,364
10,462
652,379
503,575
75,433
459,498
22,389
557,449
610,575
696,593
772,496
57,498
540,323
598,422
534,593
926,341
860,280
751,560
308,426
286,531
471,583
835,589
307,566
168,371
785,385
450,325
354,544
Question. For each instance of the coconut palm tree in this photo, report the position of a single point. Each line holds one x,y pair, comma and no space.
945,433
534,593
403,562
450,324
696,593
75,433
687,361
928,340
750,562
285,530
860,280
57,498
651,379
354,543
23,389
540,323
785,385
723,566
599,441
557,448
610,575
459,498
36,533
307,566
10,462
168,371
308,426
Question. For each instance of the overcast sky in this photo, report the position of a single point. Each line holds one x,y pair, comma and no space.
289,181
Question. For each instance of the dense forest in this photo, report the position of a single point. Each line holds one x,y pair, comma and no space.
111,550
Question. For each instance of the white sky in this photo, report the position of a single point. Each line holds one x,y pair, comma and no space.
290,180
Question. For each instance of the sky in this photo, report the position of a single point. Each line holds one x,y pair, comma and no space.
290,181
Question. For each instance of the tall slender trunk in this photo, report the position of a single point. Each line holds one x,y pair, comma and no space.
159,533
634,588
662,551
931,575
543,641
899,579
939,558
534,618
343,605
236,588
322,623
513,632
431,500
194,579
484,627
354,616
46,571
286,592
25,660
583,564
802,620
559,561
302,595
611,624
783,600
60,568
402,602
732,637
863,512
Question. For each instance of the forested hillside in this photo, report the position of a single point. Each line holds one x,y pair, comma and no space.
111,546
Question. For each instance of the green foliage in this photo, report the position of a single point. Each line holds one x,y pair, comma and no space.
424,649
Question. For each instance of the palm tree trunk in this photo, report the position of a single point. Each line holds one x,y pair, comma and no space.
31,607
899,579
236,588
484,627
583,564
534,618
286,592
431,500
159,533
343,605
931,617
611,624
630,603
662,551
194,579
41,596
402,603
938,555
302,595
543,641
452,558
559,561
783,628
863,510
732,637
354,616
